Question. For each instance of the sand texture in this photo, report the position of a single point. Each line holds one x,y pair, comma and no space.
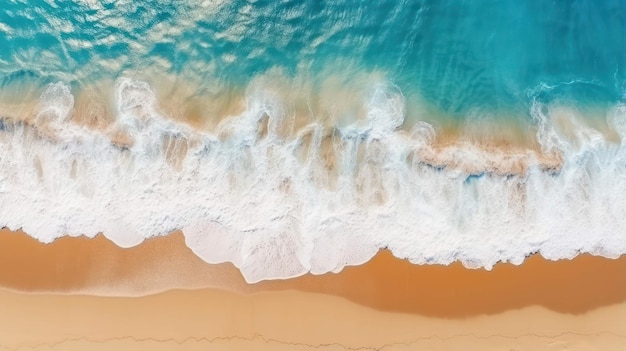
159,296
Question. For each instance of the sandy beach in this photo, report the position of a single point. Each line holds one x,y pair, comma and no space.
80,293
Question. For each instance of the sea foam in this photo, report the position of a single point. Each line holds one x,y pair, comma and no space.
281,201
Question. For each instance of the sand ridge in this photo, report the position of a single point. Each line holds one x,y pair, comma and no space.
211,319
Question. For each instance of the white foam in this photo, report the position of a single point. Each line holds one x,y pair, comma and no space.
248,198
56,102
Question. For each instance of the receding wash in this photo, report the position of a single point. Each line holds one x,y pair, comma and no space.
290,137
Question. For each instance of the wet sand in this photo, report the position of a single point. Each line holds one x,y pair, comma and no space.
53,297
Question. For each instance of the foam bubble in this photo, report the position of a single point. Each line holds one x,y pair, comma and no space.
386,110
280,200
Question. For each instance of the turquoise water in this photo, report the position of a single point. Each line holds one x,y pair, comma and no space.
457,55
290,137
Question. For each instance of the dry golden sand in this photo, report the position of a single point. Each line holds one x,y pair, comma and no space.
385,304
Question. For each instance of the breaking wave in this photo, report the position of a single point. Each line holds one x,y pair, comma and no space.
281,190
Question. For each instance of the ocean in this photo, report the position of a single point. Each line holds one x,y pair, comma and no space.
290,137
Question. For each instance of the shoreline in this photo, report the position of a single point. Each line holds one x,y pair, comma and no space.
385,304
98,267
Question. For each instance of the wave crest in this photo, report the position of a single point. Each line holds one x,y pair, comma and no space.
280,198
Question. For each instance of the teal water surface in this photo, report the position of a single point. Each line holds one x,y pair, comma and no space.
458,55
